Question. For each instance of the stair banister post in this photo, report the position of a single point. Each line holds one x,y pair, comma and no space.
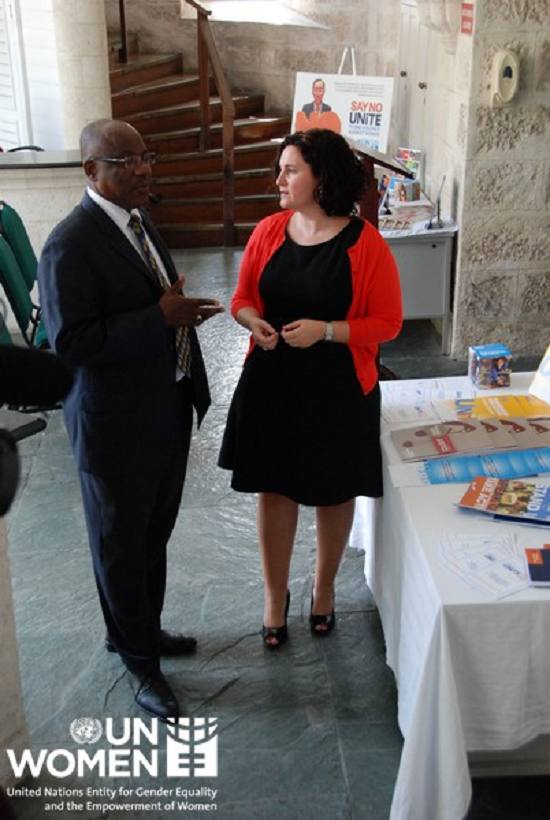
208,53
123,50
204,80
229,238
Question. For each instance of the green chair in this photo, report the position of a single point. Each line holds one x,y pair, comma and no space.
15,233
14,284
5,338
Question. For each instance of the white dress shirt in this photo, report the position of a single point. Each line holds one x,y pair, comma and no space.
121,218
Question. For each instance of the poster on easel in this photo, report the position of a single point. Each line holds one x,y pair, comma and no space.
358,107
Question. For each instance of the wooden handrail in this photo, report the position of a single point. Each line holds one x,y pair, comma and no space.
207,54
199,8
123,50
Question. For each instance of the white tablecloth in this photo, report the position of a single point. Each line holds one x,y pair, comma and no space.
471,673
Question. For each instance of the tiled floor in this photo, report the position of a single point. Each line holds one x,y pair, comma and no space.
307,732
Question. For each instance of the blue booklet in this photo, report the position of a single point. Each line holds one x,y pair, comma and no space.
510,464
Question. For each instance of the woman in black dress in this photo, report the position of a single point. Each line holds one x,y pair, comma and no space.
319,290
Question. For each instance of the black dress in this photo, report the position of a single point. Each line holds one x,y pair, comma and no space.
299,423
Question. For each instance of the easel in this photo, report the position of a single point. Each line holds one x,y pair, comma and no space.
351,51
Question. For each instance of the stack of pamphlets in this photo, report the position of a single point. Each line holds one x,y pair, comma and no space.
515,500
490,563
483,408
470,436
412,159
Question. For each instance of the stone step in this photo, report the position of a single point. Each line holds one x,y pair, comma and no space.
202,235
256,155
175,89
251,130
142,69
248,208
187,115
254,181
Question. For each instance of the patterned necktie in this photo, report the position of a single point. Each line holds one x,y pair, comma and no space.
183,342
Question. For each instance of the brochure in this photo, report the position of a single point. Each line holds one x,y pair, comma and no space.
515,499
469,436
434,440
493,406
413,159
492,564
461,468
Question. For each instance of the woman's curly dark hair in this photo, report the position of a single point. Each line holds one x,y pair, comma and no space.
340,173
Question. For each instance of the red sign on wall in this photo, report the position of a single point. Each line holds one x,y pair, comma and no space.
467,18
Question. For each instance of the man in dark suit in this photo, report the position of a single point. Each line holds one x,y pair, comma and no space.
114,310
317,106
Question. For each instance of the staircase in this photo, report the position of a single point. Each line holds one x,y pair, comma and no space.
153,93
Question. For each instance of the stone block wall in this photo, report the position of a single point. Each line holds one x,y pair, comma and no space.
503,267
42,197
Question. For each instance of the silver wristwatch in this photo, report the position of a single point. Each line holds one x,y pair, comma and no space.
329,332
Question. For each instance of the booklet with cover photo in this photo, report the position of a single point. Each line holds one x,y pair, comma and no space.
515,499
455,436
434,440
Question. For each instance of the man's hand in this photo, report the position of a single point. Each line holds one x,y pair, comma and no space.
303,332
263,334
181,311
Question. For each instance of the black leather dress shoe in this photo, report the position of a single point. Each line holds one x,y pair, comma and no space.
154,695
171,643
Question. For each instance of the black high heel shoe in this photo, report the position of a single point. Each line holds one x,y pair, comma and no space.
326,621
280,633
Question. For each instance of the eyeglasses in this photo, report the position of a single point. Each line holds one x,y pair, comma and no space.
131,161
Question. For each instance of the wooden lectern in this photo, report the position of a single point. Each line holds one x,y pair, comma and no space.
370,203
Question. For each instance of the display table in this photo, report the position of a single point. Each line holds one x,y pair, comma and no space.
424,260
472,674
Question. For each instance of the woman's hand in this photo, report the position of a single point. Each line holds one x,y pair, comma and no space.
303,332
263,334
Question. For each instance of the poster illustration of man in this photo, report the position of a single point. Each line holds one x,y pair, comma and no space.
317,114
318,106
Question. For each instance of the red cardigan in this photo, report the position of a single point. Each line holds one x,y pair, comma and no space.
375,314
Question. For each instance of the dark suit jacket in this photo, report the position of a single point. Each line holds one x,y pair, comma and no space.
100,305
308,108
